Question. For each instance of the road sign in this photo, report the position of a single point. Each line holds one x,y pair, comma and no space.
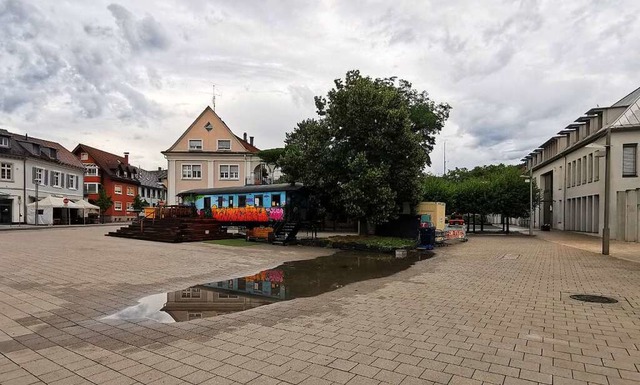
65,201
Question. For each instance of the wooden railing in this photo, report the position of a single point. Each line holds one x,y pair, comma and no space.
169,212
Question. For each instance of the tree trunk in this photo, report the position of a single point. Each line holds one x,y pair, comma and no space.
468,222
474,223
507,225
363,228
482,223
502,220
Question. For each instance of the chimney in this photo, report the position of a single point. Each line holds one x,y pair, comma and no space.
126,157
244,136
251,140
159,168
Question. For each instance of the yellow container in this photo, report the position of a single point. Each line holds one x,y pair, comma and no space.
436,210
150,212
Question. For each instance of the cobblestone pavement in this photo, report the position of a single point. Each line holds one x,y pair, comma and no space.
494,310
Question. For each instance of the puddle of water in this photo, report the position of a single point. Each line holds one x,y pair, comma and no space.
295,279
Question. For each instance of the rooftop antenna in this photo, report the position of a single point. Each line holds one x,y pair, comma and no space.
444,158
213,99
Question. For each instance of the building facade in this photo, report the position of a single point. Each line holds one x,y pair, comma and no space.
115,175
30,170
569,169
210,155
152,188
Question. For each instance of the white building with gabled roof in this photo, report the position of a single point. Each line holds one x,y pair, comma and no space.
569,169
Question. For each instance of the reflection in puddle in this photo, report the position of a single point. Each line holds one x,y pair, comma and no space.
290,280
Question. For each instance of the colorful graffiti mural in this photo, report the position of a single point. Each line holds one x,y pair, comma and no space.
246,214
267,275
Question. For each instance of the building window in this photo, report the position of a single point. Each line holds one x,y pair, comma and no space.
224,144
84,156
91,188
590,168
56,179
191,171
569,170
38,176
90,169
596,169
229,171
275,200
6,171
130,191
629,159
117,205
129,206
71,182
4,141
117,189
257,201
579,172
190,293
195,145
584,169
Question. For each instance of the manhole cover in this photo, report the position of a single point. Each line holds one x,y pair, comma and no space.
593,298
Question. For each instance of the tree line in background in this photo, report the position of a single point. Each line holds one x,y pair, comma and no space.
494,189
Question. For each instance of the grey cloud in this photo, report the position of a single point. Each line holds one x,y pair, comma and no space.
144,34
301,95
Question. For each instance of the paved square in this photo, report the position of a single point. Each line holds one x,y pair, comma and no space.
494,310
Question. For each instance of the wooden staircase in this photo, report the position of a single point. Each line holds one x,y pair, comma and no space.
173,230
286,232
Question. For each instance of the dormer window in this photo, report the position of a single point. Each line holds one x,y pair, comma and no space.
53,153
4,141
224,144
84,156
195,145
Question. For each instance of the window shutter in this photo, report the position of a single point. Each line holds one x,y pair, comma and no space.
62,181
629,160
45,173
33,174
69,177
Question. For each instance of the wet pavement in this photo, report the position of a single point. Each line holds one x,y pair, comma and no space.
494,310
294,279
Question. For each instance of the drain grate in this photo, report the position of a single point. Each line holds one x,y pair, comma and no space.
593,298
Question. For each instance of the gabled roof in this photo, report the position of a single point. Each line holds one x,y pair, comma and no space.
631,116
151,178
109,162
249,147
22,146
628,100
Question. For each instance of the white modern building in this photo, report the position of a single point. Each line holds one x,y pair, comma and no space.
27,161
569,169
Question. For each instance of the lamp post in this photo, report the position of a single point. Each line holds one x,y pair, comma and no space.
530,177
607,188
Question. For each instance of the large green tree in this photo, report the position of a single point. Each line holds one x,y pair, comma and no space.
363,156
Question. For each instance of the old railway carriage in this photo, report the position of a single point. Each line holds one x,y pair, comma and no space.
251,206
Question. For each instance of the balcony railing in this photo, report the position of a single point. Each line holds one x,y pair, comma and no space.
257,180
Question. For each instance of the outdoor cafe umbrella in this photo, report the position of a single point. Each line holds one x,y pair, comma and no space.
84,205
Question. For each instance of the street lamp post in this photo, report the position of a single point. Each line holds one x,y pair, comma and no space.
530,201
607,193
606,233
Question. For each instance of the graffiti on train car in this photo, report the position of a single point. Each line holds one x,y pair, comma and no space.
247,214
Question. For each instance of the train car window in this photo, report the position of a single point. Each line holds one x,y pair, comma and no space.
258,202
207,202
275,200
220,199
231,201
242,200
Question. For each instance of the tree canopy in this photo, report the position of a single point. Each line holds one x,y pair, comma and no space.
493,189
364,154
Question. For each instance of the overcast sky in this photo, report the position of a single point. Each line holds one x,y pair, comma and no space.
132,76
